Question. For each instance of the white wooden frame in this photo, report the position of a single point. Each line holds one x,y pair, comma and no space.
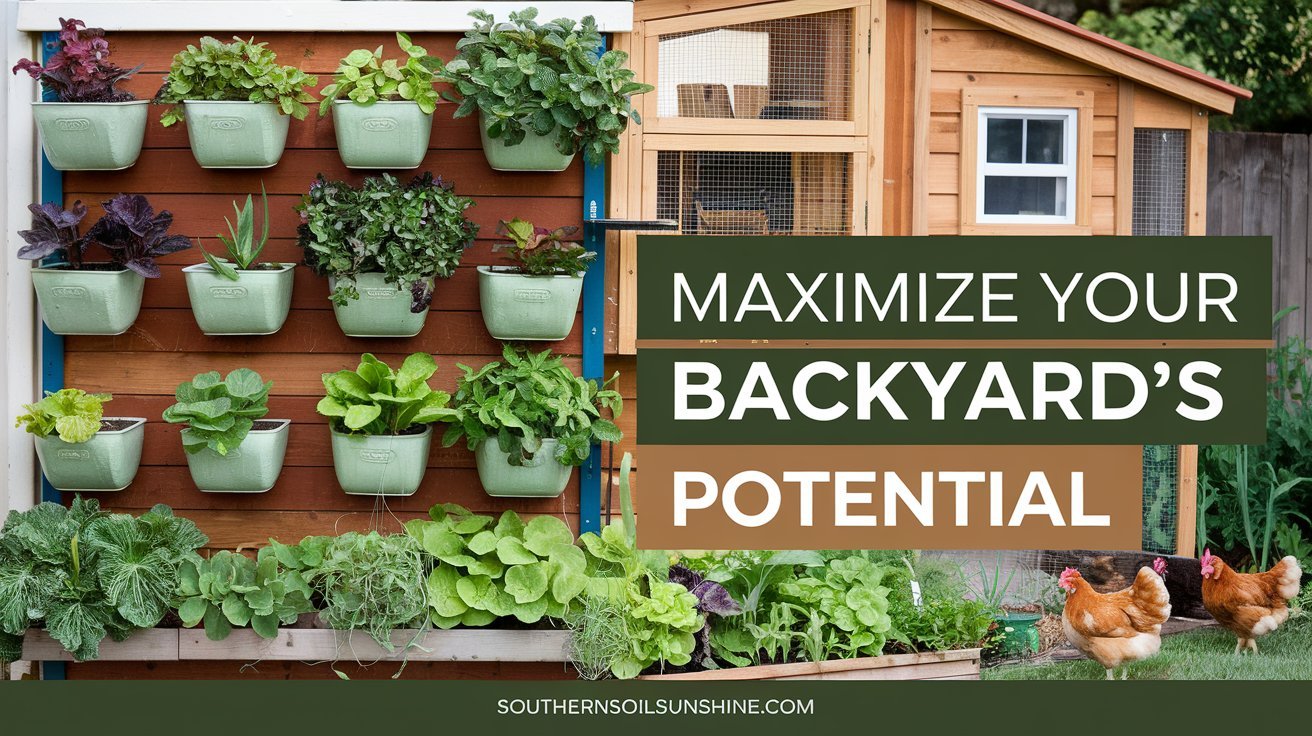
1066,170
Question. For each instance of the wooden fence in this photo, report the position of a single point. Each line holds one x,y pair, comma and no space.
1261,184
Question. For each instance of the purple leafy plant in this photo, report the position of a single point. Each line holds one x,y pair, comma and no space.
134,235
55,232
79,72
712,598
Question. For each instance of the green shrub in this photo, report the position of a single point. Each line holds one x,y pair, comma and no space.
239,70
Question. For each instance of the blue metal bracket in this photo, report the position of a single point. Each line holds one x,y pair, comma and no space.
594,337
52,345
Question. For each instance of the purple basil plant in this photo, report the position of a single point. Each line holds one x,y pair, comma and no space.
134,235
712,598
55,233
79,72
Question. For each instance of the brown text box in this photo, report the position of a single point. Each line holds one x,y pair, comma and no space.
1112,487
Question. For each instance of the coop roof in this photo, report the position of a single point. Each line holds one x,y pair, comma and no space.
1099,51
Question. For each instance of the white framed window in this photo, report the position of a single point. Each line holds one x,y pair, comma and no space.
1027,163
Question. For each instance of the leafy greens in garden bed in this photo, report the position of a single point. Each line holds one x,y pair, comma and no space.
230,589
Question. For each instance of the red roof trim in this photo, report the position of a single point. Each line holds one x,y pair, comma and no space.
1119,47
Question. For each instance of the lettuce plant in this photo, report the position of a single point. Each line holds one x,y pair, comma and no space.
364,78
84,574
235,71
538,251
375,400
134,235
230,589
219,412
410,233
487,571
530,397
55,233
72,414
544,77
78,71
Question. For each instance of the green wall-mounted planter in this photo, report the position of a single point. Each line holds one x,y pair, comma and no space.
91,136
534,153
383,309
255,304
88,302
389,134
516,306
545,477
106,462
252,467
236,135
381,465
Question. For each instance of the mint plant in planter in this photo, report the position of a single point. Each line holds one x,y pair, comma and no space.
87,124
239,295
78,447
79,297
529,421
538,297
540,90
381,245
230,447
236,100
379,421
382,110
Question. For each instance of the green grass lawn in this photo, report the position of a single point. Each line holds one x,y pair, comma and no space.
1203,654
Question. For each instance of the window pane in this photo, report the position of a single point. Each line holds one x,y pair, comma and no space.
1025,195
1044,142
1004,140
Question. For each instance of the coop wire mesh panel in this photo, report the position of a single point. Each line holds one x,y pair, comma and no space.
753,193
797,68
1159,208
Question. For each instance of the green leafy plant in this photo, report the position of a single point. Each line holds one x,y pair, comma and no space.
410,233
529,397
538,251
230,589
364,78
239,70
544,77
941,623
241,244
487,571
374,399
370,582
219,412
84,574
73,414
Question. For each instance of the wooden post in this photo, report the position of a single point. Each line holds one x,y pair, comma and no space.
1186,501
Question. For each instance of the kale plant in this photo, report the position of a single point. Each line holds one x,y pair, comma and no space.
219,412
236,71
230,589
410,233
134,235
71,413
530,397
364,78
84,574
486,571
538,251
376,400
55,233
544,77
78,71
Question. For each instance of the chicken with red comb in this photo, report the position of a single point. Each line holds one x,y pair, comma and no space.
1115,629
1249,605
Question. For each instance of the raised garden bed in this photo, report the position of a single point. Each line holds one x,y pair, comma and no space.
314,645
959,664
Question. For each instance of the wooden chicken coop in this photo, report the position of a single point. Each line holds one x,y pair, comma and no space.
898,117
